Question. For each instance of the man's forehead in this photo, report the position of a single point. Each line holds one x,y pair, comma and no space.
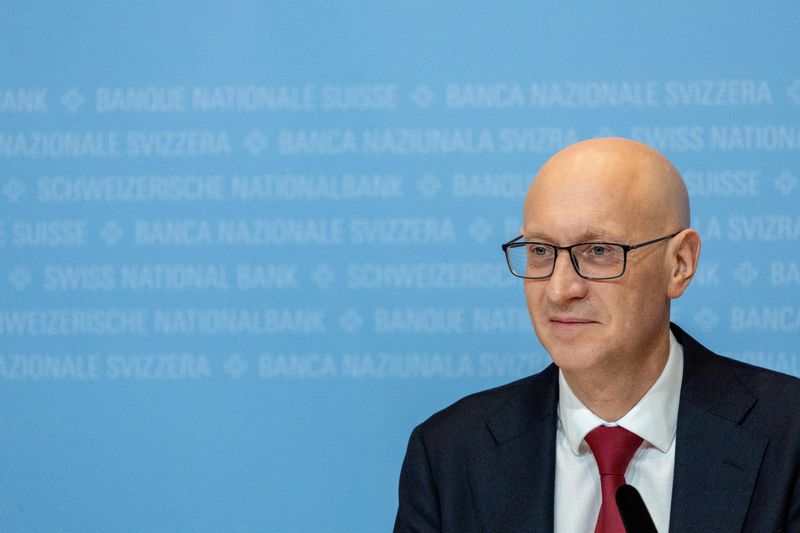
586,209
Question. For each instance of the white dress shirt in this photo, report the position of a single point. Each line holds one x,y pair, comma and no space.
654,418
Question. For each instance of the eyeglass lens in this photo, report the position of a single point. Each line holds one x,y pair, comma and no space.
592,260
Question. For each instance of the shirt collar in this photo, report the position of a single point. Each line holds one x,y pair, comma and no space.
654,417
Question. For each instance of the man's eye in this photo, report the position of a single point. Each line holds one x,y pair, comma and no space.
538,250
599,250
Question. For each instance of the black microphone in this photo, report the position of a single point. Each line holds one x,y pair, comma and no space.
633,511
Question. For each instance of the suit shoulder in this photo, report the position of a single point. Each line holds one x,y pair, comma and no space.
468,415
733,385
477,405
767,385
763,381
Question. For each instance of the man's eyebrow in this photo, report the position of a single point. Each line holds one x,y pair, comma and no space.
591,233
528,235
597,232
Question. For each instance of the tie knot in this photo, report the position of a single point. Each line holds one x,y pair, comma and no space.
613,448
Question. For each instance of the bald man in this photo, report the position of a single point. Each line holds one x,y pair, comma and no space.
710,443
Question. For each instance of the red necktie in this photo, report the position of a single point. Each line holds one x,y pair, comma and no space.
613,449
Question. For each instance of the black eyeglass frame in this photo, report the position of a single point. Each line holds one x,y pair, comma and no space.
625,249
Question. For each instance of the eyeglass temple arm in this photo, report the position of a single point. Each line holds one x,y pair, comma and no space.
509,243
642,244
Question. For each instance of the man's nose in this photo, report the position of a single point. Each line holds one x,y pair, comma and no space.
565,284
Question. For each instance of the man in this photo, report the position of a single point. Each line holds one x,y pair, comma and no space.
711,444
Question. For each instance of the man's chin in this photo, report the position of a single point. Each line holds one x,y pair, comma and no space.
573,354
574,361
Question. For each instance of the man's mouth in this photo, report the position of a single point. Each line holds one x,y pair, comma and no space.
570,324
571,320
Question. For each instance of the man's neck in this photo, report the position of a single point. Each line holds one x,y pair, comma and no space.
613,391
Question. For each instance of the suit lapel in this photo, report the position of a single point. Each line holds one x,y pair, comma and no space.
716,459
512,484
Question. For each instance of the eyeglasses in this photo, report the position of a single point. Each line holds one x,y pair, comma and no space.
591,260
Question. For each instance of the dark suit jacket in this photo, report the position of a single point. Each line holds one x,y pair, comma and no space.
487,462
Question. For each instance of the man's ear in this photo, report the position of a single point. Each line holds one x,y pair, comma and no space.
683,265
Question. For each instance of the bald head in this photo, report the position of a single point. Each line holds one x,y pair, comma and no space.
624,182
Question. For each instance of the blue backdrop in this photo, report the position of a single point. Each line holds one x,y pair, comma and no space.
248,246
